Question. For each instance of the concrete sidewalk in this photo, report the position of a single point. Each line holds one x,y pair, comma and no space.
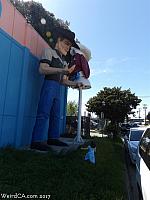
96,133
72,145
64,150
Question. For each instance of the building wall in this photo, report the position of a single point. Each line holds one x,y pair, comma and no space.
20,82
13,23
20,85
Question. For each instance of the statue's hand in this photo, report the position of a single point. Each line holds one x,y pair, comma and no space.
71,69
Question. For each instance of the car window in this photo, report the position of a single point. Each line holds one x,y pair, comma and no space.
136,135
125,126
144,147
135,125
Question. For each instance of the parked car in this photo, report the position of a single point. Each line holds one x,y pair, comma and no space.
93,124
125,127
143,166
132,142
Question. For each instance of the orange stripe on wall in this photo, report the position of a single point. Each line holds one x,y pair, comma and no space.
16,26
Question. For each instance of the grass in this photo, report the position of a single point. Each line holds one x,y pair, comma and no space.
65,177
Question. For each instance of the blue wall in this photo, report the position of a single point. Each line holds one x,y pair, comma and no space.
20,85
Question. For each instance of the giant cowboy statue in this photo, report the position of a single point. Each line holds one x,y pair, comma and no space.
54,66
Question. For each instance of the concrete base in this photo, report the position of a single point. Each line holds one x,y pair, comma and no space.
62,150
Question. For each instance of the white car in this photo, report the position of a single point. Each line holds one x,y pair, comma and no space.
133,141
143,166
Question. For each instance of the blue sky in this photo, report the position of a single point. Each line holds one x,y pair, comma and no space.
118,34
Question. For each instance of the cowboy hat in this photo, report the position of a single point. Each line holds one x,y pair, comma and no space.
65,33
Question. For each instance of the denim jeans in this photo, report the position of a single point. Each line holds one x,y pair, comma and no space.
48,113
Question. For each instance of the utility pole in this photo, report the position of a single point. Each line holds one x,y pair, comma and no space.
139,113
145,107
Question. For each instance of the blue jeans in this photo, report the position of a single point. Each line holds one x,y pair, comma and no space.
48,114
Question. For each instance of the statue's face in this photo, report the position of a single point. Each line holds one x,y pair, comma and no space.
63,46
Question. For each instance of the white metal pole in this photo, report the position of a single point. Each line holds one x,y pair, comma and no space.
78,138
79,115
